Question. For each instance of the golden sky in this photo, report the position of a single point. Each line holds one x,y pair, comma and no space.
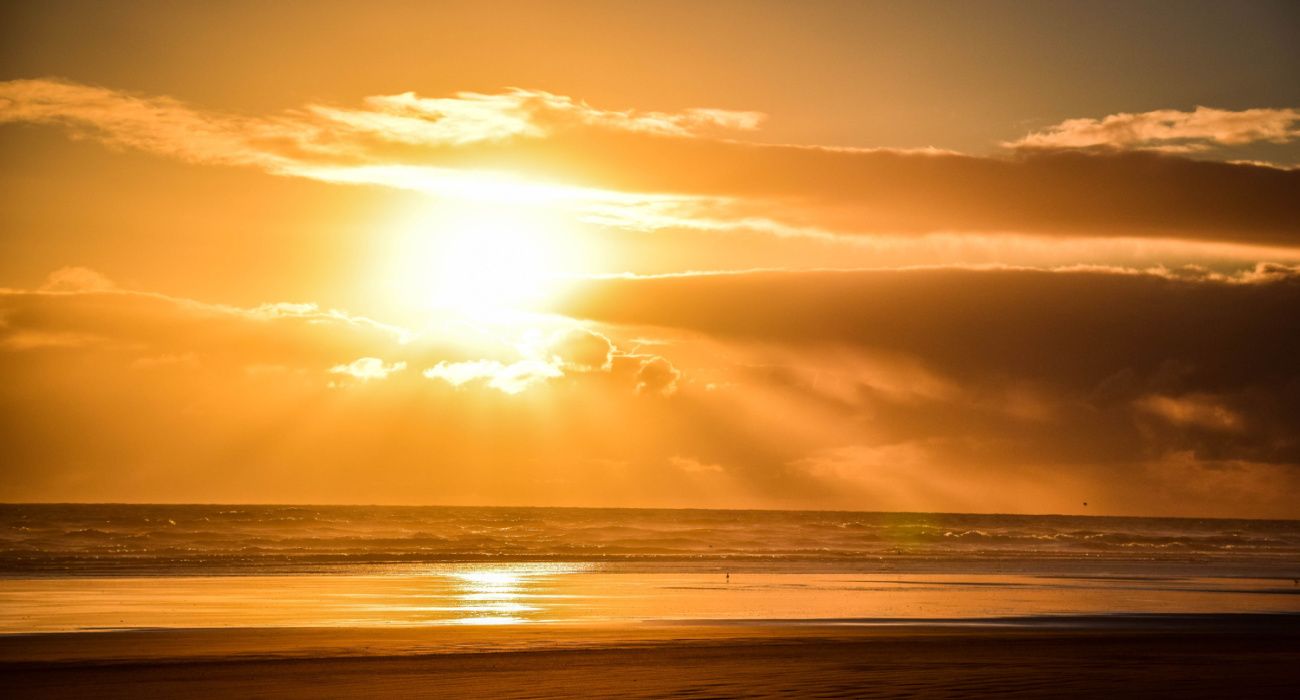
987,257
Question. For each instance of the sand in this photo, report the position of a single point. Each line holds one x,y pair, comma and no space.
521,631
1173,656
525,594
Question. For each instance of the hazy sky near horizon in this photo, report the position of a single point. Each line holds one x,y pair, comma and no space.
926,256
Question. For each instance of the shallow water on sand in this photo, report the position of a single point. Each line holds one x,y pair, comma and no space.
538,593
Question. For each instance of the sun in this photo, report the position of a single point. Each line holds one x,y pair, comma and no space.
484,260
491,260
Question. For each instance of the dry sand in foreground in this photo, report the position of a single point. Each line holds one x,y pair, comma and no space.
1249,661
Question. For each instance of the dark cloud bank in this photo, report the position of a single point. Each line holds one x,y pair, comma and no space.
1125,367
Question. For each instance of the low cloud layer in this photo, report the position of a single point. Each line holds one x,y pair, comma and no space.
1024,322
1001,367
874,389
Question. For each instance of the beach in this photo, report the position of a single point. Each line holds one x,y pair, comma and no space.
650,349
166,601
1185,658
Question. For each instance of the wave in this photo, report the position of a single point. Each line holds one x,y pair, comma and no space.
50,538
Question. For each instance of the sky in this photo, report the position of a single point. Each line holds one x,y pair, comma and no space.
971,257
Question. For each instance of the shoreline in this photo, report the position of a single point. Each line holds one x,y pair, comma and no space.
1099,566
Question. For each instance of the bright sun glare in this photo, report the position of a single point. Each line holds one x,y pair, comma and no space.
484,260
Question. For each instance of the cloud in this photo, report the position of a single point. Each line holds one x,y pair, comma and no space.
657,377
1170,130
77,279
694,466
928,389
511,378
805,192
997,309
582,350
1012,365
176,399
159,125
169,127
566,353
470,117
367,368
1198,411
651,170
81,309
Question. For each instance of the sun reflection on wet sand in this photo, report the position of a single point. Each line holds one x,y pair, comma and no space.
460,594
491,597
503,595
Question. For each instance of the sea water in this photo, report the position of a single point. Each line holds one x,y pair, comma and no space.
88,567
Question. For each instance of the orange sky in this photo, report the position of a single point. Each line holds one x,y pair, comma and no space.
863,256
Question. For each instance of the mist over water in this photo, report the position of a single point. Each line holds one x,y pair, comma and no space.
85,539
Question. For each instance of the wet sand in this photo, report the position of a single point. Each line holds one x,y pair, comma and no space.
534,630
528,594
1163,656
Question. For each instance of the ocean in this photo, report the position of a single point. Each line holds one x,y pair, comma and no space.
85,568
109,539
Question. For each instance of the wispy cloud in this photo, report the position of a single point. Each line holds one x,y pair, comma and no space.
471,117
1170,130
169,127
83,305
